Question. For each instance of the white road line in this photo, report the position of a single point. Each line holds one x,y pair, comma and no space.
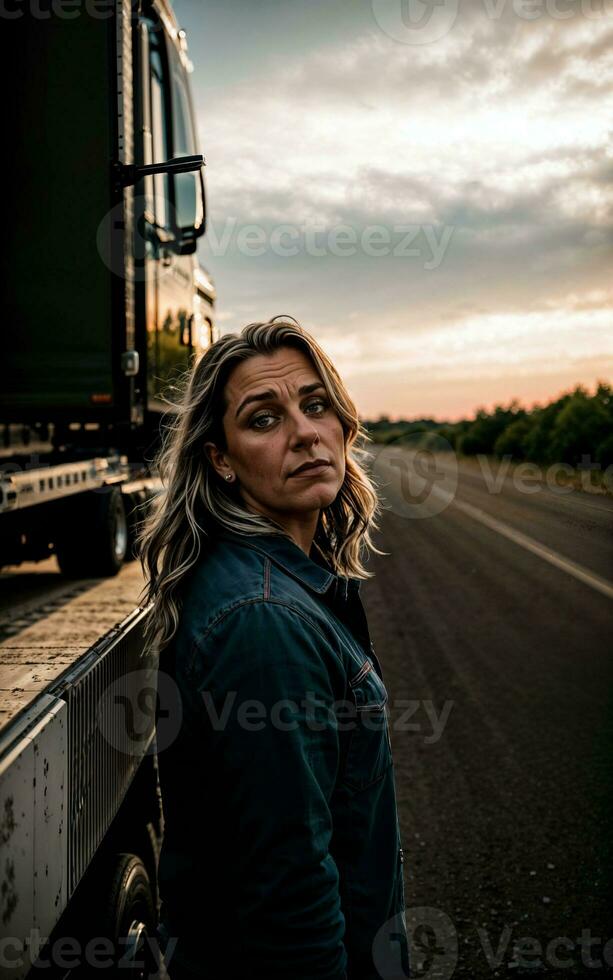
524,541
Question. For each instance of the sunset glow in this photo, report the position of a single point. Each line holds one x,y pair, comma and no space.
492,142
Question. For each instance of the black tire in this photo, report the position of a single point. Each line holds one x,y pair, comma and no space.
93,540
113,919
129,917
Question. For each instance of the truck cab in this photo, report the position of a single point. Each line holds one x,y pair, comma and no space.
167,207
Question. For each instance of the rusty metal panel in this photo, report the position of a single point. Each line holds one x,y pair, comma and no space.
33,831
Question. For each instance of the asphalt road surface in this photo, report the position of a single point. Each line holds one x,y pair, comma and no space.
491,616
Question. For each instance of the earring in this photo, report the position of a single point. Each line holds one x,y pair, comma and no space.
228,476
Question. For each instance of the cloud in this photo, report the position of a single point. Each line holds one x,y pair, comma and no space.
500,355
397,128
499,131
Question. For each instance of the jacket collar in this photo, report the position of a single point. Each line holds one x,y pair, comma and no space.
284,552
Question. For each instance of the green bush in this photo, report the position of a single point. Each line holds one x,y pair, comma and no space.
575,425
582,427
511,441
485,430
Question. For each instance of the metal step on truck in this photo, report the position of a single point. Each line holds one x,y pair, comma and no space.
104,305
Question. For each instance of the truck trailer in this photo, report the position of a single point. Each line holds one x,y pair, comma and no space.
104,303
104,307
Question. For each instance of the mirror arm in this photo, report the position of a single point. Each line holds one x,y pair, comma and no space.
128,174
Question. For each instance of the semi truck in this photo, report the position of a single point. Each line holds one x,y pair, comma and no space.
104,303
104,307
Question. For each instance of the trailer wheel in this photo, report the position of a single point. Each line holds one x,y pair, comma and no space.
94,537
129,918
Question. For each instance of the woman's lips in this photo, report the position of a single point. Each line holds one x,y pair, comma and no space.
313,470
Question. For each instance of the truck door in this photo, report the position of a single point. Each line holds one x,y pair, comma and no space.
166,303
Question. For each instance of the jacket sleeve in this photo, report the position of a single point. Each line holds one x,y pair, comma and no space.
263,681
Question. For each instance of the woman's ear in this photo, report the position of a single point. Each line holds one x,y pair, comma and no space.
210,450
217,459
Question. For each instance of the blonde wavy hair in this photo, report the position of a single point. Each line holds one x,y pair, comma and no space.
195,501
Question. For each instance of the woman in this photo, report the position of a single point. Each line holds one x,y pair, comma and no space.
281,854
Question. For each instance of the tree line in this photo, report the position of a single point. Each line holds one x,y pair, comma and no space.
576,428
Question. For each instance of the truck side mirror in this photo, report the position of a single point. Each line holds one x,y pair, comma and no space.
190,211
190,205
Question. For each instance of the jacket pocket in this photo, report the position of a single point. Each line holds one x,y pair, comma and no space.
369,753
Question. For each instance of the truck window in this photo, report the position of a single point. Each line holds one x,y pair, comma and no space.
159,124
183,134
188,198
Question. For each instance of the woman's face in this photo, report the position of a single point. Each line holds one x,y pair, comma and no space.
278,417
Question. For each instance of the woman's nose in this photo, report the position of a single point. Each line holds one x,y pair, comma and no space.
303,430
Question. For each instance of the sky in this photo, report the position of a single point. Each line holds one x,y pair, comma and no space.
426,187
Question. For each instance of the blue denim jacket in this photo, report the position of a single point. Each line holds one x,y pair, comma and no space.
282,855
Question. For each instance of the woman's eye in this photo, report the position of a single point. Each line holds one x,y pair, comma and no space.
258,418
320,403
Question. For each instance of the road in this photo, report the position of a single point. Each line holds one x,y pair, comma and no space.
491,615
